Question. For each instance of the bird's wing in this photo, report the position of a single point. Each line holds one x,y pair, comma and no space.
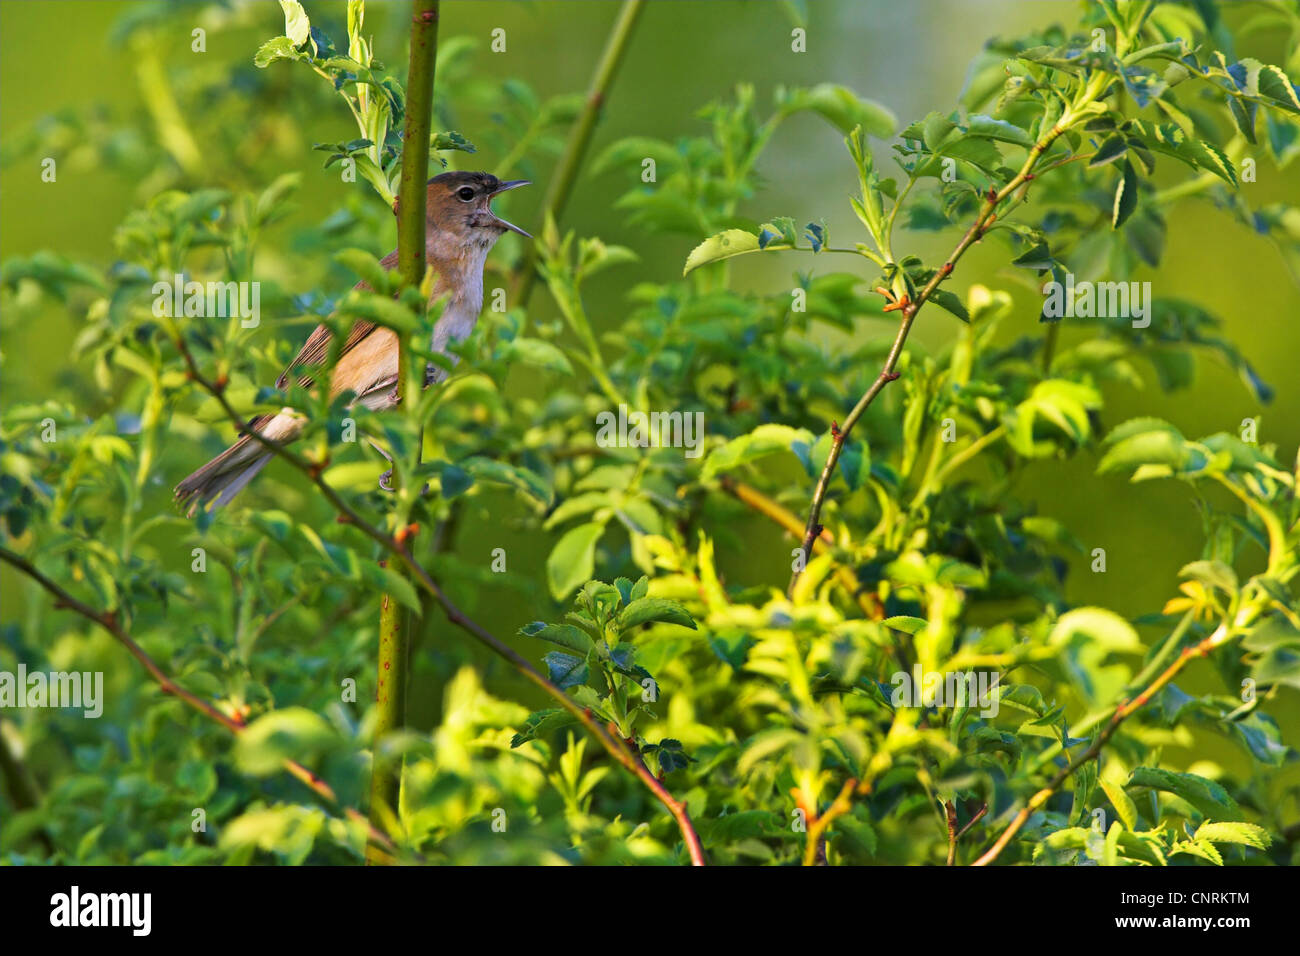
315,351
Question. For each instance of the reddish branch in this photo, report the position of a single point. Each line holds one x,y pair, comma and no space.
108,620
908,309
1122,712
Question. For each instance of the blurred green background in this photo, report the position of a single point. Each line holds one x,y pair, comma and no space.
911,57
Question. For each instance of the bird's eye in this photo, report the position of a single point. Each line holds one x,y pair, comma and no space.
465,193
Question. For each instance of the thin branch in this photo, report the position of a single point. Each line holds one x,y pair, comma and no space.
557,194
908,310
1120,714
109,622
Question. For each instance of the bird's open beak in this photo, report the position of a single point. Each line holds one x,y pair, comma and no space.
513,184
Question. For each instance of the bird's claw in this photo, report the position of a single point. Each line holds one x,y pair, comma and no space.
386,483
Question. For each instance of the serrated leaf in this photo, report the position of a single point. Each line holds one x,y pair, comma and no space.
731,242
565,670
1208,797
649,609
565,635
951,302
1246,834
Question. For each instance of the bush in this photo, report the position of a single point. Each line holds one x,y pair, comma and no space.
922,691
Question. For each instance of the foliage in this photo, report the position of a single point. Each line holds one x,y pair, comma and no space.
771,715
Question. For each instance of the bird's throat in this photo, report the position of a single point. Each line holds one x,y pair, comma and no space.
461,276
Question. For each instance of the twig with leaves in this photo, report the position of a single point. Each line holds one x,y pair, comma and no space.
108,620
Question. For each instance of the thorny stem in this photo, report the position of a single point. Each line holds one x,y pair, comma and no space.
1221,635
908,310
347,515
394,625
108,620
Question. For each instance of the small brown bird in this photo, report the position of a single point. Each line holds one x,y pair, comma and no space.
461,230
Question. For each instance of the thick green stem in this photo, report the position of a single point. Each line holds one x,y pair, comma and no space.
390,706
394,627
557,194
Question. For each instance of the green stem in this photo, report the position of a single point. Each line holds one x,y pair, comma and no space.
566,173
969,452
394,636
390,704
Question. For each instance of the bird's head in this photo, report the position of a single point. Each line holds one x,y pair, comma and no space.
460,208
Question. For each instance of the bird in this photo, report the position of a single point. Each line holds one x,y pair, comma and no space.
460,231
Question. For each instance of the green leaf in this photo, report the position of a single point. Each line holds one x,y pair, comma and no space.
1206,796
951,302
288,831
572,560
1024,697
1215,574
523,480
1109,151
1275,86
649,609
1125,196
565,635
538,352
1001,130
1038,257
1204,850
1103,627
296,25
543,723
841,107
280,48
1278,665
294,733
1247,834
904,623
732,242
363,264
1152,443
565,670
1209,157
400,587
379,309
763,440
454,481
1122,802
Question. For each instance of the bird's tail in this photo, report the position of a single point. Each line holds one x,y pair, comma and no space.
217,482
